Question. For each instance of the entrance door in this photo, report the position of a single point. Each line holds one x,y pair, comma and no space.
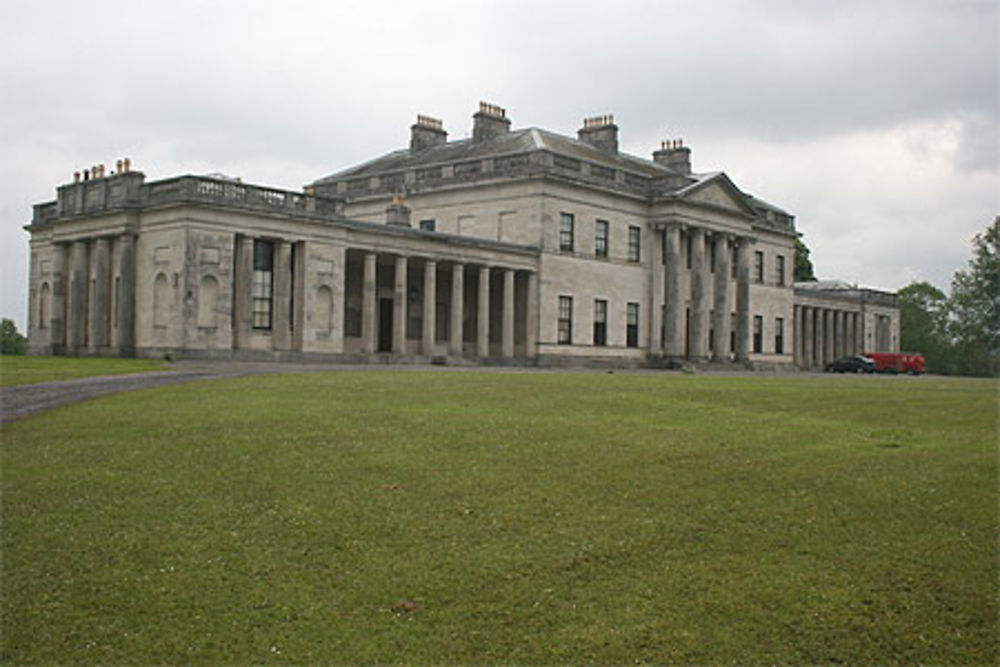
385,325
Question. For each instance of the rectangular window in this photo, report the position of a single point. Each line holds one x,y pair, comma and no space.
566,232
428,225
565,320
758,266
632,325
261,292
779,335
600,322
758,333
780,266
633,243
601,238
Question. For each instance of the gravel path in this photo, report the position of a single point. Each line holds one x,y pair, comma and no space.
24,400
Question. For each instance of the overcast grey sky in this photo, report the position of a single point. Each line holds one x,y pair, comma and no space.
877,123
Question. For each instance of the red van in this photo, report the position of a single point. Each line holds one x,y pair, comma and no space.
890,362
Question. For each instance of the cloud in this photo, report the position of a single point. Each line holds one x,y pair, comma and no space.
870,121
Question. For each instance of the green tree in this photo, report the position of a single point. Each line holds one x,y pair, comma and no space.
803,265
923,314
11,342
975,306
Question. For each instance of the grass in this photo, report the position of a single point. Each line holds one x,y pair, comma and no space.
19,369
416,517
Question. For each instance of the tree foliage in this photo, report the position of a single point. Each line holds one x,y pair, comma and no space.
975,306
11,342
958,334
923,313
803,265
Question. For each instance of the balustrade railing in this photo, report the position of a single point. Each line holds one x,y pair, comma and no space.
185,189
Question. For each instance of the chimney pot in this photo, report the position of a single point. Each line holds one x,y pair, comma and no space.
491,121
675,155
600,132
426,132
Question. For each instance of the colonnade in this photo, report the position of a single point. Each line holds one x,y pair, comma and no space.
673,332
90,305
431,267
823,334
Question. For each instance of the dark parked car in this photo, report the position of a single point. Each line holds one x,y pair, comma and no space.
858,364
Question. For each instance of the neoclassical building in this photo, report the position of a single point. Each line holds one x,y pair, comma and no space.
511,246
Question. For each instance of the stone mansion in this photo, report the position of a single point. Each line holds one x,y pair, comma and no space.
511,246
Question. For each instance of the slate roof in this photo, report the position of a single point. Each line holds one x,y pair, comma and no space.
515,142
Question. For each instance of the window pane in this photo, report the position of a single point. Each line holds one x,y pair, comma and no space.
601,238
566,231
633,243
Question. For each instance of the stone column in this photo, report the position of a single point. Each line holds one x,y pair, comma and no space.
531,317
743,300
699,297
855,347
835,334
796,336
720,321
457,309
281,336
60,287
399,308
300,253
368,306
808,313
845,347
428,329
100,311
827,336
507,323
819,345
483,339
673,339
126,295
656,294
76,309
242,294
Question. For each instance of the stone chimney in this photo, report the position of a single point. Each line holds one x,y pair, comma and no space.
600,132
426,132
398,213
491,121
674,154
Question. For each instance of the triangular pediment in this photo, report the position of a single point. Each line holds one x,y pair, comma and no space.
718,192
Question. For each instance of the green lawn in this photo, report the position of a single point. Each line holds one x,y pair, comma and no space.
15,370
376,516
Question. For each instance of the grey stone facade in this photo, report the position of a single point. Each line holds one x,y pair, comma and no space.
511,246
